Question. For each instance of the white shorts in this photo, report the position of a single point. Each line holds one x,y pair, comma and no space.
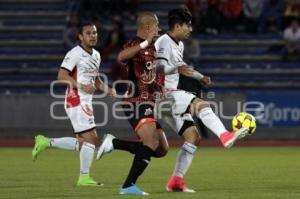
82,118
176,118
182,100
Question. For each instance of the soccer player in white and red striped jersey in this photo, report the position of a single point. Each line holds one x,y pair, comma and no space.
80,70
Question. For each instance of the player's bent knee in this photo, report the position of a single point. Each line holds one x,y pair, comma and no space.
162,150
160,153
199,104
193,140
90,137
152,142
148,135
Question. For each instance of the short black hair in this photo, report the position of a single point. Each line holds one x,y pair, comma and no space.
179,16
83,24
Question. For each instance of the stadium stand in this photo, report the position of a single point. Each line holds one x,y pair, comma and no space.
32,48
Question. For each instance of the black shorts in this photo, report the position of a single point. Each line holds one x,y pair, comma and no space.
139,114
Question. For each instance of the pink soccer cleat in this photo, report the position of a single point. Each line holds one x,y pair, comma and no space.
177,184
229,138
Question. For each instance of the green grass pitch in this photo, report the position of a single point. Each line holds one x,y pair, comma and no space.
216,173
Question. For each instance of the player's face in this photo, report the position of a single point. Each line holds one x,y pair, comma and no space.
185,31
89,36
154,26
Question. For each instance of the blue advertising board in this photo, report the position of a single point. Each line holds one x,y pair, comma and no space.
277,109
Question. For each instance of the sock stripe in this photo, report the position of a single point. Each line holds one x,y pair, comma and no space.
50,142
76,146
147,161
188,147
89,145
191,146
187,151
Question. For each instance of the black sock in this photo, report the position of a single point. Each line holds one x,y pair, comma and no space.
140,163
130,146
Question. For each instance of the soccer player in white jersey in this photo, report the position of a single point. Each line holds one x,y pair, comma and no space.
80,69
169,48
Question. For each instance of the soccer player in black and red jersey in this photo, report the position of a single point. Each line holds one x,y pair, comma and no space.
139,54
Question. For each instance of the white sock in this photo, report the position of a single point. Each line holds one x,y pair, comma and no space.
86,157
67,143
184,159
211,121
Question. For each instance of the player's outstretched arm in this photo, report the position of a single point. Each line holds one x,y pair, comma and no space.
162,65
130,52
191,72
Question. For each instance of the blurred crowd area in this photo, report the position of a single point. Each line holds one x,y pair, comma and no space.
209,17
108,16
246,16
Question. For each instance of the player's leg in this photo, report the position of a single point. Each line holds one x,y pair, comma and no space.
182,122
42,142
150,138
67,143
85,129
204,112
110,143
79,121
86,156
163,146
184,157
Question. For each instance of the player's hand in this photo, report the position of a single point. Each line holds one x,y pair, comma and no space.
186,70
112,92
88,88
205,80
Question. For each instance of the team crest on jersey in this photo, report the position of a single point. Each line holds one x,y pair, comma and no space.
161,50
66,60
148,111
149,73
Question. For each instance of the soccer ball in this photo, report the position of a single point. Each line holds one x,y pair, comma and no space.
244,119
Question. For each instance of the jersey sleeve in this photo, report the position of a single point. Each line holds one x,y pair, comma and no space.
163,49
131,43
70,61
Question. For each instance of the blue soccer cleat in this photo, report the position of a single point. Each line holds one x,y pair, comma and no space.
132,190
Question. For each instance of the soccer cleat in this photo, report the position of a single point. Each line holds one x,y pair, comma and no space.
229,138
41,143
86,180
132,190
177,184
106,146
